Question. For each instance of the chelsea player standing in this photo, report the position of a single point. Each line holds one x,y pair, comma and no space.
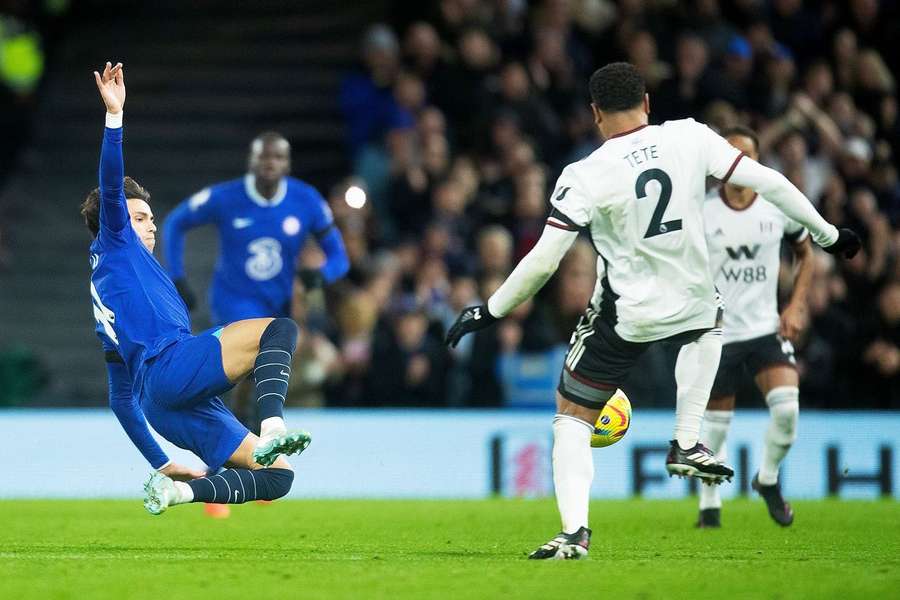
263,220
160,373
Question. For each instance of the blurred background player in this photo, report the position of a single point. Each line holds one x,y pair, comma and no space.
263,220
160,373
744,234
640,196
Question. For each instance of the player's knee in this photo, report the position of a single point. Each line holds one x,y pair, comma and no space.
278,482
784,409
281,333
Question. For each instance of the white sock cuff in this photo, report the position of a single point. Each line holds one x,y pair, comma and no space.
719,417
783,394
565,419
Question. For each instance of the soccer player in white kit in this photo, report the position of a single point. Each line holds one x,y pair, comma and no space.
640,198
744,234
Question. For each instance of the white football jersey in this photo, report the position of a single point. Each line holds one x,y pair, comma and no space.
745,256
641,197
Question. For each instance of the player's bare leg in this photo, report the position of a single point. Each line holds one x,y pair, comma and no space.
716,423
265,347
573,472
695,371
243,480
779,385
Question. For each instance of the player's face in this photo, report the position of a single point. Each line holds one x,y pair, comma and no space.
271,160
142,222
744,144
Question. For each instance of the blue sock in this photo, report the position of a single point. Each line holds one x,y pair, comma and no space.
272,369
236,486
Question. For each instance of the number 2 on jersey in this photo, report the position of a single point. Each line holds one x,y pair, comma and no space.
657,227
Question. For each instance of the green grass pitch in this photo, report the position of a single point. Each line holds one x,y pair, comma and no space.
442,549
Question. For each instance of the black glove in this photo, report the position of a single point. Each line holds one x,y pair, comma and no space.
186,293
470,319
312,278
847,244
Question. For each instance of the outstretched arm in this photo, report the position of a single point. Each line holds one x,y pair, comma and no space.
533,270
527,278
777,189
113,209
131,417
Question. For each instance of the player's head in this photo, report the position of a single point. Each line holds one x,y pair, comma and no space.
138,200
618,89
744,139
270,157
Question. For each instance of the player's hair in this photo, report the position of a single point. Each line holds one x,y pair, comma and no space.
617,87
90,208
742,131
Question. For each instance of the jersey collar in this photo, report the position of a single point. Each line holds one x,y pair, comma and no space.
733,207
250,188
623,133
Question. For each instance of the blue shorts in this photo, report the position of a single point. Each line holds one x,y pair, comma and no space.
179,399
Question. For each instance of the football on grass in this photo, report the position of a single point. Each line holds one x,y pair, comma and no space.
613,422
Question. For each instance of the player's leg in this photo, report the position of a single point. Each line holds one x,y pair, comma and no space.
213,433
695,370
596,356
265,347
779,384
716,422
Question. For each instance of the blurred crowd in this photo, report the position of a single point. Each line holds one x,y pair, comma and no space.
462,114
26,29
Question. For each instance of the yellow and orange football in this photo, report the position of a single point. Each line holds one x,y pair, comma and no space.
613,422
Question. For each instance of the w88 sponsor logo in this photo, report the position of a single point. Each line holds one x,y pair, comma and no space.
751,274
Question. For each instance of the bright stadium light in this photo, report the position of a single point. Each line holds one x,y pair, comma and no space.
355,197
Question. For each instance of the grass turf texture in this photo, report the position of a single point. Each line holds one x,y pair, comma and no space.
442,549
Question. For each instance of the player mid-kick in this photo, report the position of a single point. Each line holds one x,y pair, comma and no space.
640,197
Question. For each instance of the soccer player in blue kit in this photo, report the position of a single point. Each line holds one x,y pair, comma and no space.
263,220
162,374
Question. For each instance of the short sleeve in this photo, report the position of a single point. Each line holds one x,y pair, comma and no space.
570,205
721,157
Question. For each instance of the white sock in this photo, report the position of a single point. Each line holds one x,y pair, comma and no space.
695,370
184,493
715,430
271,427
573,470
784,409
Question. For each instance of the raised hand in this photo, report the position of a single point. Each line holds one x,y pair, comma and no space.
112,87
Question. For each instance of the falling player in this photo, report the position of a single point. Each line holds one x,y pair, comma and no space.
160,373
744,233
263,220
640,197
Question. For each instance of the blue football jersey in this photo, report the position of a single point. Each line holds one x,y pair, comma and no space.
259,242
137,308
